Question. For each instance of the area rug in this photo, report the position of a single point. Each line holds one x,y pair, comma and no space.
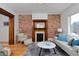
33,50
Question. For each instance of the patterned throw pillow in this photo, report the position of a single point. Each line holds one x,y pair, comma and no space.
2,53
70,42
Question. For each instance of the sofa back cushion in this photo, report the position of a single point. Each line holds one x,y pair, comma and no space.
62,37
71,36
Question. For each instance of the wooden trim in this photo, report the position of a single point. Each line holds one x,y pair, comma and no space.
46,31
39,20
40,29
11,24
11,30
6,13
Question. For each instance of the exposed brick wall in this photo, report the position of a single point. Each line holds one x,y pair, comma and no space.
53,24
25,24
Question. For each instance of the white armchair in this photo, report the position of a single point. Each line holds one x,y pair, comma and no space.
8,50
28,41
5,51
22,37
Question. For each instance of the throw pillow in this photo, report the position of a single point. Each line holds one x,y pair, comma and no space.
62,37
70,42
75,42
2,53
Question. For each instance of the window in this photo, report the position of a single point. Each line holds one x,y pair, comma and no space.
74,28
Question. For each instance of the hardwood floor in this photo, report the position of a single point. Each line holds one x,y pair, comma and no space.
16,50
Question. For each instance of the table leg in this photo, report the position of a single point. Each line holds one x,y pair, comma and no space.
54,50
40,52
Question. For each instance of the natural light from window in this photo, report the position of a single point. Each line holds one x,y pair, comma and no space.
75,23
75,18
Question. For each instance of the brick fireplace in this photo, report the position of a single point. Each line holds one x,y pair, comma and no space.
26,20
39,32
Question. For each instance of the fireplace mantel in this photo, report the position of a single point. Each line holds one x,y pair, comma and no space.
39,29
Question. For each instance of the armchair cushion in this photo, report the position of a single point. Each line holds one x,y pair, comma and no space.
22,37
28,41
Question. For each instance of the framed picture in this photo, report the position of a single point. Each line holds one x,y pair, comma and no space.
6,23
39,25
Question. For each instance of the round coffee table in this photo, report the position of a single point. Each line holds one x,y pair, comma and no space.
46,45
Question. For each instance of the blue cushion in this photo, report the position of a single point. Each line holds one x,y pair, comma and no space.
75,41
62,37
2,53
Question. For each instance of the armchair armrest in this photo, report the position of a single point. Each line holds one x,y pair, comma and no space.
3,53
7,51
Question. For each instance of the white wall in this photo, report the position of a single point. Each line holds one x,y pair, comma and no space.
5,7
40,16
16,26
65,17
4,30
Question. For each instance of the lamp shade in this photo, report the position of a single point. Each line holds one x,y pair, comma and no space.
59,30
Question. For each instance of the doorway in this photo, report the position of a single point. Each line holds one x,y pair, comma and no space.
4,29
11,24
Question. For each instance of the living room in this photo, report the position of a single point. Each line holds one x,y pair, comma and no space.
27,27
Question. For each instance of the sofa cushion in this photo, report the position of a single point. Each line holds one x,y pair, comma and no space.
76,49
68,49
75,42
62,37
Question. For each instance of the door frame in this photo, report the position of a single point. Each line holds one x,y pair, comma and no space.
11,25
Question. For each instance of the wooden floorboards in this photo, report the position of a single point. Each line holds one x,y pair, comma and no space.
17,49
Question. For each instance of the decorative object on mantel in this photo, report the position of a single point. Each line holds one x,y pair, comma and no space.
40,25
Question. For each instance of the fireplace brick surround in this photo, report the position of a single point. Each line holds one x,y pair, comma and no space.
25,25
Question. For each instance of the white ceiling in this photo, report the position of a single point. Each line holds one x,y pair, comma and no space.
29,8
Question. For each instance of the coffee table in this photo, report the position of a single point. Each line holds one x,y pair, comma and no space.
46,45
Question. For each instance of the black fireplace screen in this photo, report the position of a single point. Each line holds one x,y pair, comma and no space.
39,37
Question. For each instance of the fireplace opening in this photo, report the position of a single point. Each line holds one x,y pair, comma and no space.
39,37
